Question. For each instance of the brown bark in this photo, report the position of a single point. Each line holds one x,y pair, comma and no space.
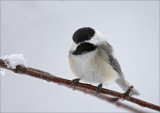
88,88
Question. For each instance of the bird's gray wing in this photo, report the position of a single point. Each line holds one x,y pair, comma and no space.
114,63
112,60
107,48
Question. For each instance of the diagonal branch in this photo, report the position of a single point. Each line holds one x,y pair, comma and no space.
79,86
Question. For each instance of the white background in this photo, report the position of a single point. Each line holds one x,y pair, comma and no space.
42,31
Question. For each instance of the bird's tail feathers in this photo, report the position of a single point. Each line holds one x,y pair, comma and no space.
125,85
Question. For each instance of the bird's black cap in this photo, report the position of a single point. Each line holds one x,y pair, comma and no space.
83,34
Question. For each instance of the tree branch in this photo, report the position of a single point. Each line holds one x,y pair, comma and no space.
79,86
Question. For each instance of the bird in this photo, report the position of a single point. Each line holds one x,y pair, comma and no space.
91,59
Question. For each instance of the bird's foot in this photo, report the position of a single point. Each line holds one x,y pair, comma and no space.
74,81
99,88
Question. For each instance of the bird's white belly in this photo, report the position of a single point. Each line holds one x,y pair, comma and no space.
92,70
86,71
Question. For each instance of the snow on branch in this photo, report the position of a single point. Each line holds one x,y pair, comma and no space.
13,60
17,64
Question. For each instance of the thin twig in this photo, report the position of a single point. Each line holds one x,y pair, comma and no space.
80,86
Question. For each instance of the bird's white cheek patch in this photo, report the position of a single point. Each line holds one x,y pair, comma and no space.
96,39
74,46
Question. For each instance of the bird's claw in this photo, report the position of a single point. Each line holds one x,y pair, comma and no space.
74,81
99,88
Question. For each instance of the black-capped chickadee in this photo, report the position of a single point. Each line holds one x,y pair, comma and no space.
91,59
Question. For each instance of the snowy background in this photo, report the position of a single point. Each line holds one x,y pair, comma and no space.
42,32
